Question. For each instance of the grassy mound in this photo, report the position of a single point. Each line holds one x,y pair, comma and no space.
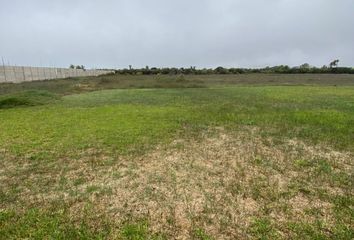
26,98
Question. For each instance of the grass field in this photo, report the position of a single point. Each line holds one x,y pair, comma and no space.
178,157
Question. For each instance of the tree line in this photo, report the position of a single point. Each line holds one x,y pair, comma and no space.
304,68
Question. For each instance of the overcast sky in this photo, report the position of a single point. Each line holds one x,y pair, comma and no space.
181,33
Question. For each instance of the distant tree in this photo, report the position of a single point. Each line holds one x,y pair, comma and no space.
277,69
334,63
72,66
80,67
173,71
164,71
221,70
305,66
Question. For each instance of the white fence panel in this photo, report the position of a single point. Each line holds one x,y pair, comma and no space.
16,74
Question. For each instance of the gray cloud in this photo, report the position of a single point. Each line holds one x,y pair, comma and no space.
202,33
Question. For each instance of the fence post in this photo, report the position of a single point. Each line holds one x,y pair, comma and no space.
31,73
14,69
3,65
23,73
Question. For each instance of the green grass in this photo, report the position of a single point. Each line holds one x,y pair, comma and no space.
26,98
36,224
200,234
120,120
263,229
41,133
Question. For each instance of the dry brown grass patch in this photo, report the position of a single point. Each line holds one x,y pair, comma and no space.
220,183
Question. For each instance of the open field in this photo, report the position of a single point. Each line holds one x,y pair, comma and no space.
178,157
78,85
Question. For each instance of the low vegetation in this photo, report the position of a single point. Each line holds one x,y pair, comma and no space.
26,98
185,157
332,68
